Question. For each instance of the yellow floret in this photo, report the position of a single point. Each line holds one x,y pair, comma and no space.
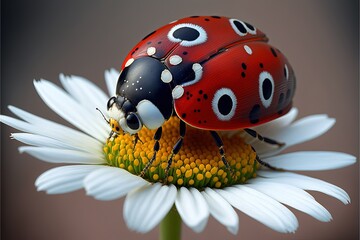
198,163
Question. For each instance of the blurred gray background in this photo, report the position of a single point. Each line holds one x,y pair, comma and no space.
40,39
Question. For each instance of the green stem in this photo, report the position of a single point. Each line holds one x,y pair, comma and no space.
170,226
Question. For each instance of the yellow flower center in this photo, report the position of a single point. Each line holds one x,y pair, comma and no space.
198,164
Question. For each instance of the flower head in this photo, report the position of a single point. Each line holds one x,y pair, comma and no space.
197,183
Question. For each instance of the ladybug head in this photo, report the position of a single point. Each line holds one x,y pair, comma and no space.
142,97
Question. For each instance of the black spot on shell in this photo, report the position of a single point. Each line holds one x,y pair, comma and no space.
206,19
159,42
254,114
194,16
183,115
201,92
205,96
261,65
243,74
185,53
243,65
225,104
249,26
148,43
240,27
148,35
117,129
186,33
199,99
134,51
273,52
216,17
266,88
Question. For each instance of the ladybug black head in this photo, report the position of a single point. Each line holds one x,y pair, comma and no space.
143,98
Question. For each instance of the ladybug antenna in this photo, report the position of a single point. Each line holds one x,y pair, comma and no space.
103,116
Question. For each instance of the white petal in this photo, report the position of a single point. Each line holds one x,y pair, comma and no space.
85,92
40,141
269,128
192,208
221,210
311,160
260,207
306,183
53,130
55,155
111,77
292,196
145,207
302,130
64,179
66,107
110,183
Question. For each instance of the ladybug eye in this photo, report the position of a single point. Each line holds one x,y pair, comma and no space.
133,122
266,88
242,28
187,34
224,104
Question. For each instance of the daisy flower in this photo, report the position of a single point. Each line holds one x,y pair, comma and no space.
197,185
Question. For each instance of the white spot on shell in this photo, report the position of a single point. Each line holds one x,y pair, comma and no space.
217,106
248,49
175,60
129,62
265,99
166,76
177,92
197,68
151,51
201,38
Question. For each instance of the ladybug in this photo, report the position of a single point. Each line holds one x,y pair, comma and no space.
214,73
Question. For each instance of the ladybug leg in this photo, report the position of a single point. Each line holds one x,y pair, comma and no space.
177,146
220,145
265,163
157,137
112,135
255,134
136,140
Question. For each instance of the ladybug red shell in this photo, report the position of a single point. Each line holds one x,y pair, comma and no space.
217,73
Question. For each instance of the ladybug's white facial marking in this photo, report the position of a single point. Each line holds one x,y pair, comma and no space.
248,50
150,115
242,28
177,92
187,34
266,88
224,104
115,113
151,51
198,70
